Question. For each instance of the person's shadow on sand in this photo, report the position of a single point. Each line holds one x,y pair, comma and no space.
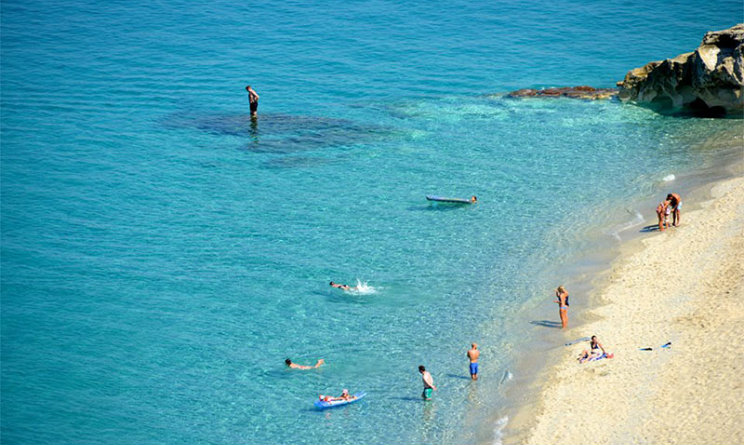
651,228
546,323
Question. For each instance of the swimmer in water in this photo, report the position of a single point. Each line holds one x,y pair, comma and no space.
345,287
296,366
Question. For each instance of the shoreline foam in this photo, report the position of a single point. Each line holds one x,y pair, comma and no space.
647,300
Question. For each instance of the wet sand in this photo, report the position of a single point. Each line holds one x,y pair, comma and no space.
685,285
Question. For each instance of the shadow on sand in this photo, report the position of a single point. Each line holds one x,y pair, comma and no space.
547,323
651,228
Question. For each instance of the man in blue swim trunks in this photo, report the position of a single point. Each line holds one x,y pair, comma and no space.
473,355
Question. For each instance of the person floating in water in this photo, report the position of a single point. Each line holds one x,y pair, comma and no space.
675,204
473,199
345,287
594,351
428,383
344,396
296,366
253,99
473,355
562,301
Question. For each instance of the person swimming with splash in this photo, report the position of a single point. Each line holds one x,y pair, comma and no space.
344,287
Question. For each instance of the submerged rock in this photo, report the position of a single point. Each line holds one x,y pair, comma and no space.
580,92
707,81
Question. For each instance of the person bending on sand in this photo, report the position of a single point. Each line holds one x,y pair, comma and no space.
675,202
662,212
428,383
562,301
473,355
253,100
345,287
296,366
594,350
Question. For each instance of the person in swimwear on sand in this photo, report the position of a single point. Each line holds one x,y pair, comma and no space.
296,366
675,203
662,212
562,301
473,355
594,350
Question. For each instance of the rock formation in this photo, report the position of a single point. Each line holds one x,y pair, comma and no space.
707,81
580,92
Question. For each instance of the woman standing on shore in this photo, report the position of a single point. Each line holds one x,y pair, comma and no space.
562,301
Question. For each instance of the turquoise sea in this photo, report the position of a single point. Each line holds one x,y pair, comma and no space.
162,254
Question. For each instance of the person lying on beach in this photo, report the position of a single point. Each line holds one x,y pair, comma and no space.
345,287
594,350
344,396
675,202
562,301
296,366
662,212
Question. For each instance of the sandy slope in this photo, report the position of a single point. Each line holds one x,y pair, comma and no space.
686,286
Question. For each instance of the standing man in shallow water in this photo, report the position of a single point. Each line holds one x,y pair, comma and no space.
473,355
428,383
253,99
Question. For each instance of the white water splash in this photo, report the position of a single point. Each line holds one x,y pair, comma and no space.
362,288
669,178
498,430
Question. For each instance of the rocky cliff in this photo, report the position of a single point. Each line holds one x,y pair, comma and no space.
707,81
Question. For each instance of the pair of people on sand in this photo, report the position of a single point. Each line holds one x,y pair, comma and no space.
670,206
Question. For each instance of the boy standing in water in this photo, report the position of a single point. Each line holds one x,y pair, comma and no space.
253,99
428,383
473,355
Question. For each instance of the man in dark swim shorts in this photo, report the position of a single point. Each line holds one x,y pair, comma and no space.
253,99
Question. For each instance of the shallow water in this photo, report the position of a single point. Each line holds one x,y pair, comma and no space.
162,254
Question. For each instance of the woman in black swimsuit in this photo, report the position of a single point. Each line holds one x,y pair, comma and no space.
594,350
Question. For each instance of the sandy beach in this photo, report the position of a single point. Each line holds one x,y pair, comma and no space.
684,286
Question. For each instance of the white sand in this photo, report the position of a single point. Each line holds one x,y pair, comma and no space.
685,286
